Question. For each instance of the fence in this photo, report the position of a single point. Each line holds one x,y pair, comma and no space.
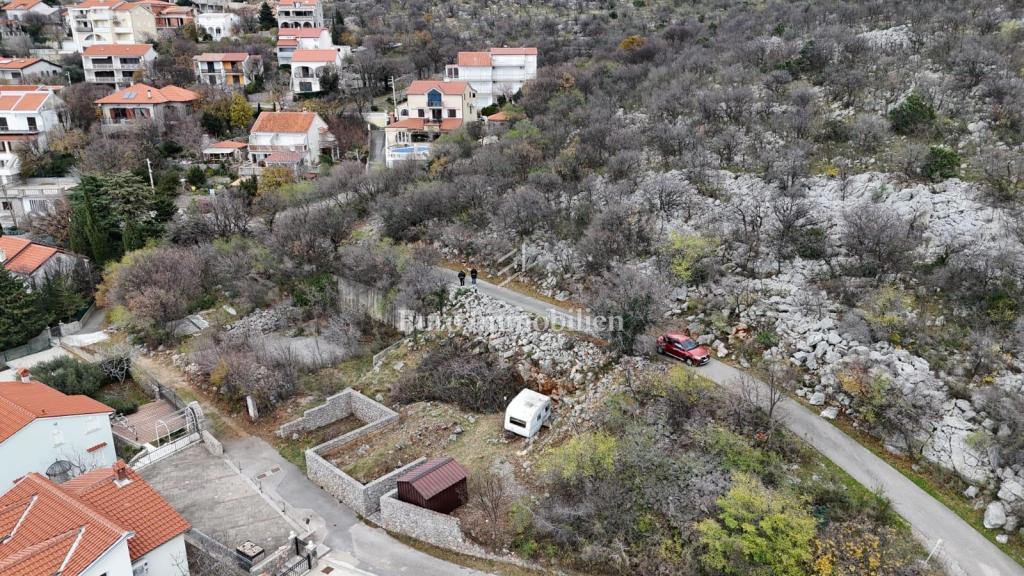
37,344
228,558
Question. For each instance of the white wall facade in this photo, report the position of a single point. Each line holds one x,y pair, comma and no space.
42,70
218,25
504,77
102,25
167,559
115,562
45,440
120,70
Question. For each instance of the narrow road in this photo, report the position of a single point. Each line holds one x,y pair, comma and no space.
962,550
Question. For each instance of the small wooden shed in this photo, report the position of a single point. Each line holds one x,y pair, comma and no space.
438,485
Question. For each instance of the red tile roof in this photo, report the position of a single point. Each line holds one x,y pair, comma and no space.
26,102
96,4
283,157
513,51
229,144
129,50
424,86
474,59
134,505
290,3
284,122
315,56
17,63
221,57
288,42
498,117
300,32
434,476
23,402
21,4
146,94
48,530
20,255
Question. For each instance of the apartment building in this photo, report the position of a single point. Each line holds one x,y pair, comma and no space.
116,64
308,66
171,16
233,70
295,140
497,72
111,22
143,103
21,70
218,25
30,197
300,14
203,6
432,108
28,114
291,39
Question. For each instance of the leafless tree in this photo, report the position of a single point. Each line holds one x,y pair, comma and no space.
879,239
489,495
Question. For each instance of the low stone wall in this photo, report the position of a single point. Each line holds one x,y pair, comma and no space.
213,446
364,499
335,408
426,525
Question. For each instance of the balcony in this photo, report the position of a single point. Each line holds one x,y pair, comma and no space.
277,148
115,66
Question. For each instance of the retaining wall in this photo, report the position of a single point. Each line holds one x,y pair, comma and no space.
441,530
346,403
363,498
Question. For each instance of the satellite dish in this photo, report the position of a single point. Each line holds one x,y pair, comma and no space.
61,471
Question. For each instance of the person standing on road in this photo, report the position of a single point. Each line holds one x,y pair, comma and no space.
462,277
472,275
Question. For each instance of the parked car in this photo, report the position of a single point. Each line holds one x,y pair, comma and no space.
683,347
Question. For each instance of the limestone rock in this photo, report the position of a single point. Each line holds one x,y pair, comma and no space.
995,515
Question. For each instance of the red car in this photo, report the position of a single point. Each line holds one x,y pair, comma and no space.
681,346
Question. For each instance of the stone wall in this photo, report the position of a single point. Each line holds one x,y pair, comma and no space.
426,525
364,499
335,408
213,446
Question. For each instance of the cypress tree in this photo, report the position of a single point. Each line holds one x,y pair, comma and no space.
266,18
21,317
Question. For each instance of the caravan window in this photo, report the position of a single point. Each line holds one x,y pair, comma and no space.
517,422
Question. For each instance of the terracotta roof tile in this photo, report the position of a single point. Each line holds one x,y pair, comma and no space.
135,506
17,63
424,86
21,4
221,57
30,259
54,529
447,124
23,402
129,50
498,117
283,157
146,94
300,32
474,59
229,144
287,122
97,4
29,101
315,56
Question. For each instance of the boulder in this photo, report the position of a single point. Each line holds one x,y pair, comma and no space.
817,399
971,492
1011,491
830,413
995,515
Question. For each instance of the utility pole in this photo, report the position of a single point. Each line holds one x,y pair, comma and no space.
68,74
149,166
394,98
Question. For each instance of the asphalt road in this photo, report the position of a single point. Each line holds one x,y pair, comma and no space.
961,549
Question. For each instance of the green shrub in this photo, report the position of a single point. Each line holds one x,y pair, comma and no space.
912,115
196,176
941,163
70,376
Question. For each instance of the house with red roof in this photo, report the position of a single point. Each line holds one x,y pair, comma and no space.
20,70
308,66
496,72
33,261
28,114
300,14
432,108
291,39
116,64
295,140
108,522
18,9
111,22
144,103
233,70
44,431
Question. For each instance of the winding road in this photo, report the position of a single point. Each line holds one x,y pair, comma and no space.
960,548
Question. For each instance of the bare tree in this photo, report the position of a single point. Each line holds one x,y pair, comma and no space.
489,495
879,239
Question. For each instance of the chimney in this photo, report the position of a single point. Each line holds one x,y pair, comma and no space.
120,473
3,256
149,94
24,375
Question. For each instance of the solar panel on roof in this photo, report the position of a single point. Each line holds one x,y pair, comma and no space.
129,95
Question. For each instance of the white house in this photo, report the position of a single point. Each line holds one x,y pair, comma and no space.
18,9
108,522
432,108
309,65
116,64
497,72
292,139
21,70
42,429
28,114
219,25
291,39
111,22
300,14
229,69
33,197
144,103
527,412
31,261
